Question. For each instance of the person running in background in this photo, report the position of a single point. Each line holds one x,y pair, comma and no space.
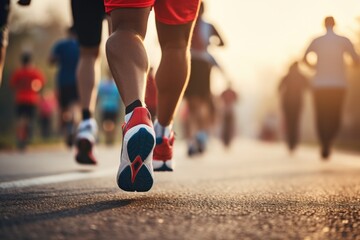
151,94
268,128
129,65
109,104
65,54
88,17
229,98
4,15
27,81
329,83
47,105
292,88
198,95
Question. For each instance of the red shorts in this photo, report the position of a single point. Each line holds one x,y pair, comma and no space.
172,12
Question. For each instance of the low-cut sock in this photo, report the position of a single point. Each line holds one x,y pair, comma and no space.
162,131
86,114
130,108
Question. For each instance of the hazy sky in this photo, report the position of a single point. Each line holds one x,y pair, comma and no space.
264,36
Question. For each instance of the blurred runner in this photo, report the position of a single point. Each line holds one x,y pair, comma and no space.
47,106
292,88
109,104
147,147
329,83
151,94
268,128
229,98
4,14
198,96
26,81
88,17
65,54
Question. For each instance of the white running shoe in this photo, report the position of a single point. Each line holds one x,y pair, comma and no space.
136,170
85,139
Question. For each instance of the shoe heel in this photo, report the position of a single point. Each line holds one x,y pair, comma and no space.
84,155
163,166
138,177
141,144
143,180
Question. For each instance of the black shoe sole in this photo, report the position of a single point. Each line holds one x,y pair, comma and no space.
84,155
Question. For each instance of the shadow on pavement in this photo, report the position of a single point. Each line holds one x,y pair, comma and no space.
78,211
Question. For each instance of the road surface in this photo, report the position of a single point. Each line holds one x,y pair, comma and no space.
252,191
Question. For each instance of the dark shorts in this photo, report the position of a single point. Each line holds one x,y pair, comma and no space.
112,116
88,16
199,82
4,13
67,96
25,110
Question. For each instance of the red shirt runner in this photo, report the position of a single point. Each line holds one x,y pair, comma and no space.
27,82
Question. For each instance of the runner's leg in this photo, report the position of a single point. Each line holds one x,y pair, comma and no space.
174,42
129,65
87,74
88,17
126,53
4,13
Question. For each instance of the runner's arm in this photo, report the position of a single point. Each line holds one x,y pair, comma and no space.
216,34
53,58
351,50
308,50
282,84
40,76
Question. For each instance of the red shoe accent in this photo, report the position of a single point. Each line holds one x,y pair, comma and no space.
135,167
140,116
164,150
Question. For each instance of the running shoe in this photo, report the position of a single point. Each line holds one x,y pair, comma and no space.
201,139
136,170
193,150
325,153
163,153
85,140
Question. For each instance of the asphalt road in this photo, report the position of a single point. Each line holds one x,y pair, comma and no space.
252,191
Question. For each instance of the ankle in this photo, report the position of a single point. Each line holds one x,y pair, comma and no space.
130,109
162,131
86,114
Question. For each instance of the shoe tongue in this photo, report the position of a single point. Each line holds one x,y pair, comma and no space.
162,131
166,132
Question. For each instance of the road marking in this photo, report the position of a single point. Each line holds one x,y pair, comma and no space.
66,177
